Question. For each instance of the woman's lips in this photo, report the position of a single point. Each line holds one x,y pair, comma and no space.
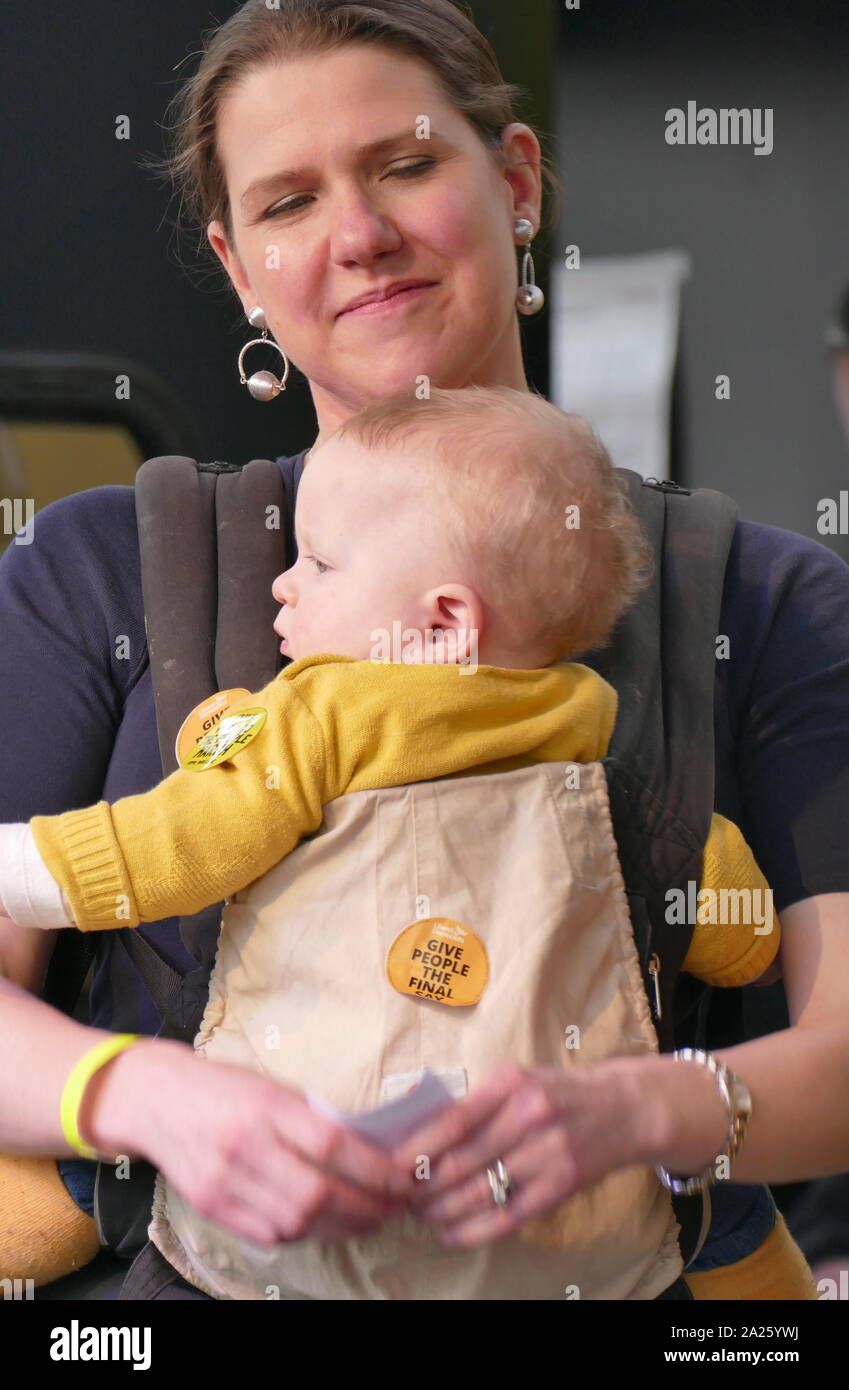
376,308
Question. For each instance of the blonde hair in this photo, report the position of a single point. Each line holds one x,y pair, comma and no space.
438,33
540,512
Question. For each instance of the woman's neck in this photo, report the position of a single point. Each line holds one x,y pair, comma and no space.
503,368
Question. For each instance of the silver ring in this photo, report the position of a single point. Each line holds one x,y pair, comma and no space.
500,1183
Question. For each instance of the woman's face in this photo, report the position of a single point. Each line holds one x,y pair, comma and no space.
322,215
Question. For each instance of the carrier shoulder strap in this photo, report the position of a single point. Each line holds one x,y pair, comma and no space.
212,539
660,764
208,559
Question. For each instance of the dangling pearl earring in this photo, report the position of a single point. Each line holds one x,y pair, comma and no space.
529,296
263,386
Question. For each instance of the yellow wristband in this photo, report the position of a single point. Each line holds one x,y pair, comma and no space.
81,1074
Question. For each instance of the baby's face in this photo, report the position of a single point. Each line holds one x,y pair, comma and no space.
371,554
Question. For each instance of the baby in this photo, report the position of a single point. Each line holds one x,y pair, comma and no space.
422,783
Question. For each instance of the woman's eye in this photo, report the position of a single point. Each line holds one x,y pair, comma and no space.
417,168
420,166
284,207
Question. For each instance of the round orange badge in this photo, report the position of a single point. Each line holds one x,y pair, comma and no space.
439,959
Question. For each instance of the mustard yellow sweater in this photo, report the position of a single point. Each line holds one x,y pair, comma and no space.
337,725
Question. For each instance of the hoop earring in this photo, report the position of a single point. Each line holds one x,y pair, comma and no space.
529,296
263,386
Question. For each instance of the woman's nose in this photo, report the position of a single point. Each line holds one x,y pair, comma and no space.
360,231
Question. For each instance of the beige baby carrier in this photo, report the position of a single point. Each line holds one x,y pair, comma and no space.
513,875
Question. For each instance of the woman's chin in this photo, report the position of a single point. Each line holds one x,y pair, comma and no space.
416,376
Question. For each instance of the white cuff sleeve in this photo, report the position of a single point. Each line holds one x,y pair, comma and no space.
29,893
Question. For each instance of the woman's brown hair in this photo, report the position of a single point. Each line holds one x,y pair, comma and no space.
437,32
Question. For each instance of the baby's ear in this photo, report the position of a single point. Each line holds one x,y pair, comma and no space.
455,614
456,606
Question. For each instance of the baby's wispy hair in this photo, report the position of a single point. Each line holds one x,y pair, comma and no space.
530,496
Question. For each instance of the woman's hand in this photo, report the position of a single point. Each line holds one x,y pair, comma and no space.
556,1132
245,1151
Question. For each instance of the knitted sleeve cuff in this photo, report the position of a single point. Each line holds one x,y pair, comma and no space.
81,852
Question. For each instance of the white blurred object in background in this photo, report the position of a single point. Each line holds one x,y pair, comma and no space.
613,348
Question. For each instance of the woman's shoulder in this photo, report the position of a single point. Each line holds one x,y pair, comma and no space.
106,513
769,567
785,604
76,569
787,550
87,543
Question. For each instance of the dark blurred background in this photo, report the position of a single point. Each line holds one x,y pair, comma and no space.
768,235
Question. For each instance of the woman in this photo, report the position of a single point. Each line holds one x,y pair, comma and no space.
300,147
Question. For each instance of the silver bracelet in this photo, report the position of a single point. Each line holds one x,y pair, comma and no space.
738,1105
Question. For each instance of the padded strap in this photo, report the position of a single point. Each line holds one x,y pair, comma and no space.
660,764
175,508
212,542
663,660
250,523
